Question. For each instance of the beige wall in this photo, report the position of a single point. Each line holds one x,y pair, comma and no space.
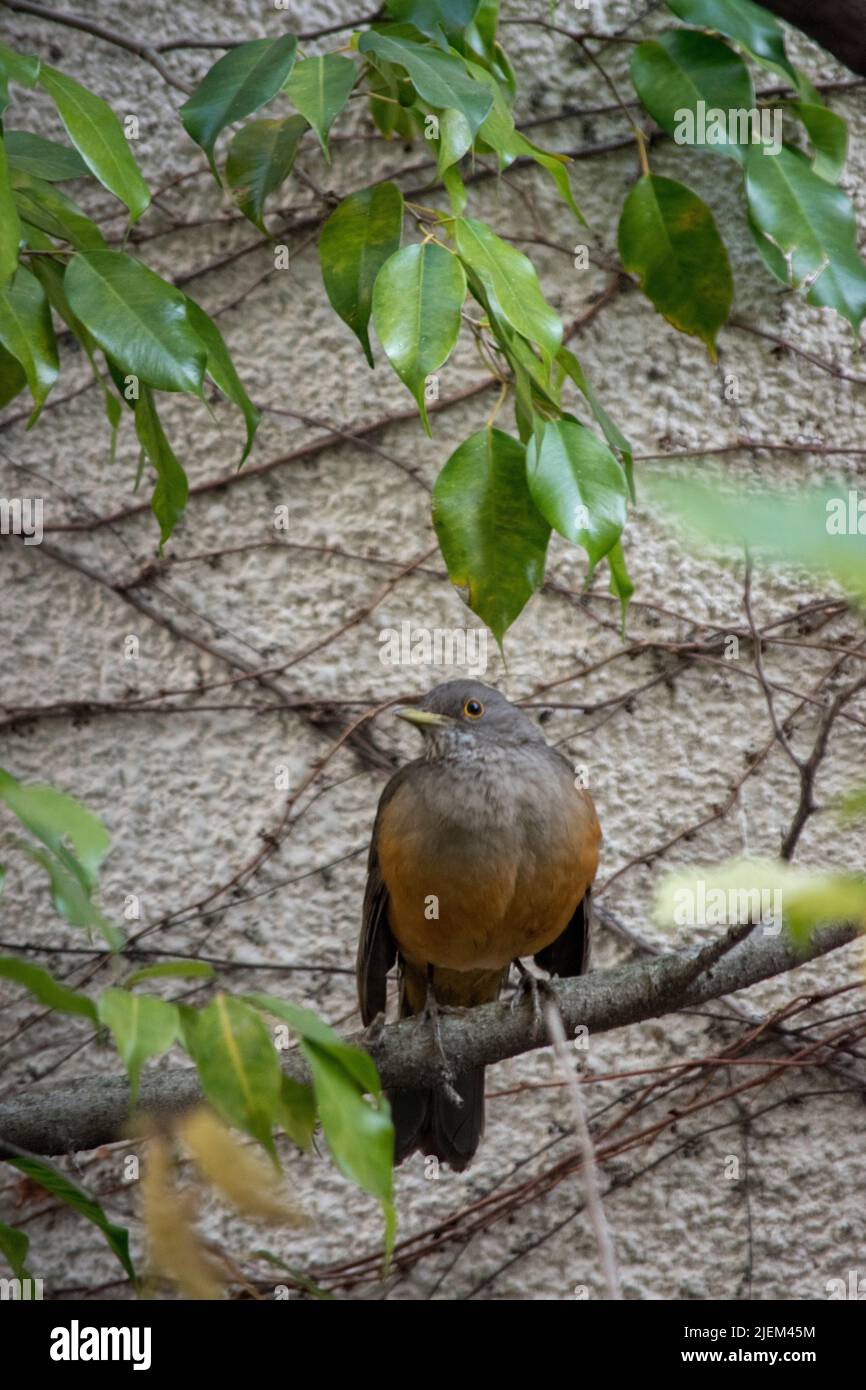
186,797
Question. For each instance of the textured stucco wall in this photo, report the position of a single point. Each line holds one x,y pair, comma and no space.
186,797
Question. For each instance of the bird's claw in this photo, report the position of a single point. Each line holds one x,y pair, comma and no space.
373,1032
535,987
431,1014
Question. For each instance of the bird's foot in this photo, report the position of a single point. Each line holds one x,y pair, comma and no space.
373,1032
431,1014
535,987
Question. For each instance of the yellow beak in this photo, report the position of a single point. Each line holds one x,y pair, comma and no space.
422,717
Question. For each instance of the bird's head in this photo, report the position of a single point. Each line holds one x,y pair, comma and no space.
466,714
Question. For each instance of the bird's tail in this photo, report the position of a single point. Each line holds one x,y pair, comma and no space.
429,1120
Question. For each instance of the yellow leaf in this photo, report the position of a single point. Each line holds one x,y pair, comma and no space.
176,1250
249,1184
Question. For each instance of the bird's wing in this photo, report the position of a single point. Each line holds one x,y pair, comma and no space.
569,954
377,949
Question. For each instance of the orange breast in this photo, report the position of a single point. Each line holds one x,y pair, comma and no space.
470,897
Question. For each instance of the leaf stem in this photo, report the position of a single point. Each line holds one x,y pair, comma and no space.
638,133
503,392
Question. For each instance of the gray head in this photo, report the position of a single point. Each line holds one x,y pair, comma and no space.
467,715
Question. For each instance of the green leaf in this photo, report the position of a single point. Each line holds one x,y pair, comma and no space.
498,131
439,78
49,209
614,436
417,299
319,87
621,585
667,237
359,1134
53,817
308,1025
745,23
456,190
555,164
59,1185
14,1246
142,1027
362,232
47,159
27,333
137,319
510,281
578,486
172,488
679,69
812,224
768,251
237,1064
68,895
297,1112
853,806
525,404
221,370
18,67
98,136
816,530
484,28
767,890
10,224
172,969
455,138
493,539
814,900
50,274
12,378
260,158
238,84
519,353
46,989
390,118
500,66
438,19
829,136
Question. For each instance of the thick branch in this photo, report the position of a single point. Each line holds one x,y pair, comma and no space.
93,1111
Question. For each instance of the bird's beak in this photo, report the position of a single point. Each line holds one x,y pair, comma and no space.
422,717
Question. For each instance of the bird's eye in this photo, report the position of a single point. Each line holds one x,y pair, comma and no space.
473,709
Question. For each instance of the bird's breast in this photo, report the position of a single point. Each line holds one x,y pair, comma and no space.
478,879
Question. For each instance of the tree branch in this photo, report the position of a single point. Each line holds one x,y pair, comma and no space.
145,51
94,1110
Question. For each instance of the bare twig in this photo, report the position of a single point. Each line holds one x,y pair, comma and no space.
589,1168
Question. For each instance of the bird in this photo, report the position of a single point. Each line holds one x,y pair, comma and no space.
484,850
